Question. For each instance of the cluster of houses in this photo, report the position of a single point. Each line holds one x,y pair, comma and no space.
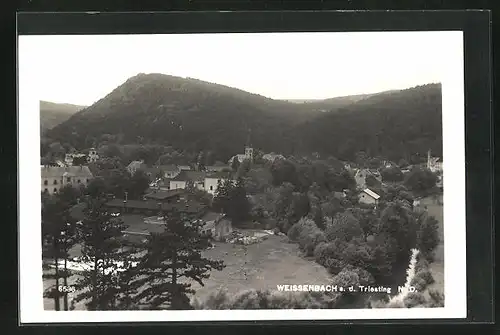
368,196
90,157
169,182
53,178
178,177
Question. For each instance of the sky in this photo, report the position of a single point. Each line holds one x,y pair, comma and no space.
84,68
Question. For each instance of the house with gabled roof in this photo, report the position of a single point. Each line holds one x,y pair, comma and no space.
186,178
213,179
367,196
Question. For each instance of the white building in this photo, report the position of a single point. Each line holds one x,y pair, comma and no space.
55,177
367,196
185,178
271,157
241,157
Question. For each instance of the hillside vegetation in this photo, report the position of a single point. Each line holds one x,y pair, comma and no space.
52,114
192,115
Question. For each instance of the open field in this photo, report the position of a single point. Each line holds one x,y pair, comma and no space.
260,266
437,267
256,266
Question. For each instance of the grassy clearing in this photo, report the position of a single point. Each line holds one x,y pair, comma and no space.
262,265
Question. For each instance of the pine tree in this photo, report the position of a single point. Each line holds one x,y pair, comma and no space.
58,231
221,200
102,239
238,207
172,259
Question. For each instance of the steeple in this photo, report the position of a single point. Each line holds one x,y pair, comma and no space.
248,146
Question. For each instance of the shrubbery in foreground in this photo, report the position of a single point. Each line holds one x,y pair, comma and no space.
257,299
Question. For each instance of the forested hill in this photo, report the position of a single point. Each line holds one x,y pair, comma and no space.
193,115
394,124
190,113
52,114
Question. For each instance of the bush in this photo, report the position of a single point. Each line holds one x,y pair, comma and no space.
422,263
428,235
436,298
343,226
425,275
334,265
293,232
330,250
309,239
365,277
256,299
215,301
414,299
346,278
296,230
418,283
321,253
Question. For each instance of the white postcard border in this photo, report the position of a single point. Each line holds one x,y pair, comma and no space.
30,272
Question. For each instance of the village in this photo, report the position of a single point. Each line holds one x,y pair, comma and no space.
169,185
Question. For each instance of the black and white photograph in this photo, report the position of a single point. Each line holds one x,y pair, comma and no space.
261,173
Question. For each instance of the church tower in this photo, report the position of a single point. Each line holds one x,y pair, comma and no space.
248,147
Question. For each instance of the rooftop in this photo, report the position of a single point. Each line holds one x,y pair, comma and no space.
59,171
219,175
167,168
191,207
135,224
371,193
190,175
162,195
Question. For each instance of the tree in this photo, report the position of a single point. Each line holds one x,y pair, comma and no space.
171,258
238,208
138,184
392,174
222,196
102,248
371,181
80,160
57,150
58,232
398,223
428,236
403,163
111,150
420,180
284,171
243,169
344,226
319,218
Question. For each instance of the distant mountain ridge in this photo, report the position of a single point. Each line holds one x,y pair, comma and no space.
195,115
52,114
